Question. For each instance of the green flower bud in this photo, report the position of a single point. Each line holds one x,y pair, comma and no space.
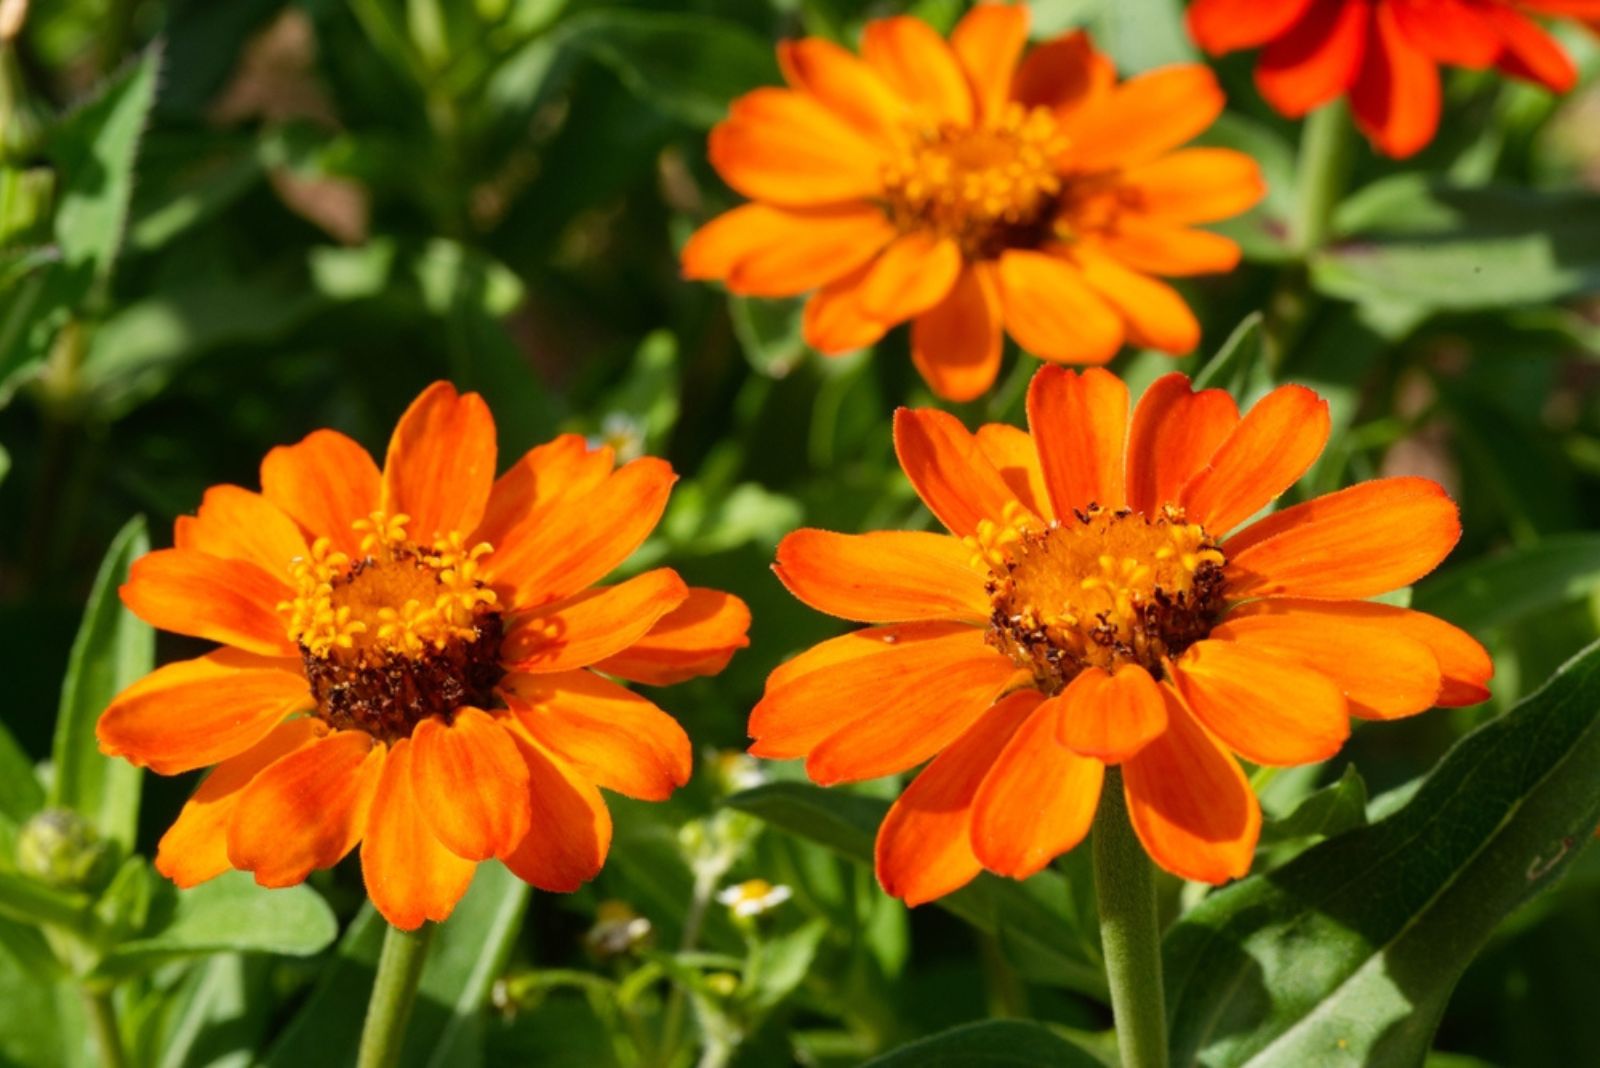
61,848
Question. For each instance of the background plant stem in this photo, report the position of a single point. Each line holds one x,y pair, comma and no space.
1125,890
103,1022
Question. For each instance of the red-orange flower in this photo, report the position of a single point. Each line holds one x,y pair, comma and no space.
974,191
1103,598
1385,53
415,659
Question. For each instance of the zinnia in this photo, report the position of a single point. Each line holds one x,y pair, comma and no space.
1102,599
1385,53
414,660
951,185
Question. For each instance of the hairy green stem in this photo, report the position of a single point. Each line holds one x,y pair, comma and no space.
394,992
1125,889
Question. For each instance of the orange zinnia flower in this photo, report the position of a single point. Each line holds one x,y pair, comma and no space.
1385,53
412,659
947,184
1101,599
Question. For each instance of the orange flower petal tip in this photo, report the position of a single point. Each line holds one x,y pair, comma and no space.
411,661
974,189
1103,597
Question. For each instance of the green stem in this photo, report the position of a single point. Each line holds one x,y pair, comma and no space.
1125,889
1327,151
394,992
103,1022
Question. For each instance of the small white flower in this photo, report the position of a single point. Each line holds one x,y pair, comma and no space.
754,897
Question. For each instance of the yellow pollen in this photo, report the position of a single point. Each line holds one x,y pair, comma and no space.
398,599
1101,589
989,187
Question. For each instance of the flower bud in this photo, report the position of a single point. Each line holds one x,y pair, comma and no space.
61,848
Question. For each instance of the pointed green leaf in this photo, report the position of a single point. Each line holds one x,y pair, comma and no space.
1348,954
990,1044
1237,365
1493,591
113,649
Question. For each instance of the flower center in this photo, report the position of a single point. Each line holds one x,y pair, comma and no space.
401,634
989,188
1101,589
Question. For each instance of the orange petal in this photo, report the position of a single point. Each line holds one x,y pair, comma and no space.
1275,443
1359,542
570,831
564,468
845,84
1464,666
924,848
1111,717
913,274
307,810
195,847
1143,118
1190,803
786,147
1158,247
1064,74
1450,31
470,783
956,344
604,732
194,713
1318,59
1036,802
592,625
1052,312
762,251
325,482
440,464
235,524
203,596
920,67
1152,312
834,319
1528,52
409,875
1267,708
1397,97
554,553
987,42
1198,185
697,638
884,576
1175,432
948,469
1011,452
1079,424
913,673
1229,25
1383,674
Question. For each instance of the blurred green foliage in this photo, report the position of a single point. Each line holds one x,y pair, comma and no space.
225,225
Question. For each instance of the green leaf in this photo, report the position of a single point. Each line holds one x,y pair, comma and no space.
689,66
20,793
990,1044
32,902
1143,34
1334,809
1496,591
769,333
216,1016
1413,240
466,956
1038,921
228,914
1348,954
1237,367
113,649
782,963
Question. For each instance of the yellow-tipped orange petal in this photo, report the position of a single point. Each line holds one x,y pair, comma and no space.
1080,425
1111,717
1190,803
1267,708
325,482
604,732
884,576
227,601
195,713
697,638
470,783
307,810
592,625
1036,802
410,876
440,463
1275,443
924,847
